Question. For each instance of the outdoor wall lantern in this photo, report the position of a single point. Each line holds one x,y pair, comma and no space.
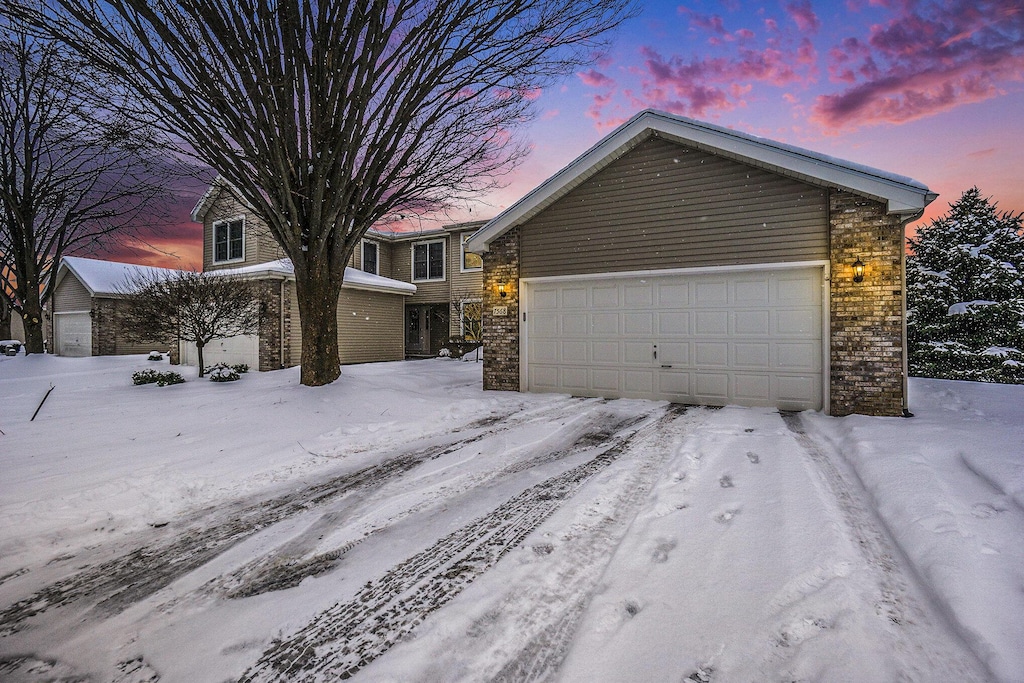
858,271
501,290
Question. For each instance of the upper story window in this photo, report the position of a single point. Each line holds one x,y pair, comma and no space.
470,261
229,240
371,263
428,261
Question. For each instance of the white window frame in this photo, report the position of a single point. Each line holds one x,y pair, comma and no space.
426,245
213,242
462,261
362,257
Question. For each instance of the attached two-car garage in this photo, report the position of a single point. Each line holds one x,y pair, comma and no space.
752,337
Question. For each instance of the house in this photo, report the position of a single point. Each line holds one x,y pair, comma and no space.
684,261
86,308
402,297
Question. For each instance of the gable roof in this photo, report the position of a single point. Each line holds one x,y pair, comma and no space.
106,278
903,196
354,278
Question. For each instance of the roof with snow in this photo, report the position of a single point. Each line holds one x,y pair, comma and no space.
902,195
108,278
354,279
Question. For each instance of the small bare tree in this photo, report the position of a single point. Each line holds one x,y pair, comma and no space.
328,117
190,306
76,170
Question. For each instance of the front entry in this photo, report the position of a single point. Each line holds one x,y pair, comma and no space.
426,329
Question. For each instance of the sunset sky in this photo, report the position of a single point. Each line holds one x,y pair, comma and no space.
930,90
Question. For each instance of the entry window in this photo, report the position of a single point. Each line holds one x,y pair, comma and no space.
428,261
228,240
470,261
370,263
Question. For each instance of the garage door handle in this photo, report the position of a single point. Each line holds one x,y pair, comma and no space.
666,366
655,352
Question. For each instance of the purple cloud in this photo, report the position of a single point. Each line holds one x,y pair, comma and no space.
801,13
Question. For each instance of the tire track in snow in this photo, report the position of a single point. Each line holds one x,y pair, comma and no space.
343,639
896,602
114,585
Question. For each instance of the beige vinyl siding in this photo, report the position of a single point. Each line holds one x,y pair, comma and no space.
259,246
383,258
467,285
71,295
663,205
370,327
427,291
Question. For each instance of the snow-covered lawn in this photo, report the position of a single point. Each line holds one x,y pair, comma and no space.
403,525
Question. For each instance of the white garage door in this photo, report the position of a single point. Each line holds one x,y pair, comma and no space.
74,334
743,337
244,348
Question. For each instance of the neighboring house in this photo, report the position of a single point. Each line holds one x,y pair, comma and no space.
86,308
683,261
397,300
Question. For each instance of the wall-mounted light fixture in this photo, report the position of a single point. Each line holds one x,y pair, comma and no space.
501,290
858,271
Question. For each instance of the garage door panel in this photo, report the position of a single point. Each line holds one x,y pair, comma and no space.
749,337
752,322
74,334
604,324
638,323
711,354
674,323
605,352
711,323
545,300
574,352
605,296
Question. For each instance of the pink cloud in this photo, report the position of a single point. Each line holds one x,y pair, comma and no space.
928,58
800,12
982,153
595,79
744,34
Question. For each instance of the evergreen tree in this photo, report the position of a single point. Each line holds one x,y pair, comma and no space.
965,294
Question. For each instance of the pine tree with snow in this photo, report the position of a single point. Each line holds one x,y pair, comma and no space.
965,294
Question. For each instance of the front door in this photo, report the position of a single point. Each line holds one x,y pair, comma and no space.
417,330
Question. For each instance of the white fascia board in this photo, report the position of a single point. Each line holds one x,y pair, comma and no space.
903,196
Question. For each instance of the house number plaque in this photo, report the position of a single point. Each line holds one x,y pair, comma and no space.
499,310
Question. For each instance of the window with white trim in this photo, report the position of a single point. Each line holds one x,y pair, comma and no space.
470,261
229,240
371,264
428,261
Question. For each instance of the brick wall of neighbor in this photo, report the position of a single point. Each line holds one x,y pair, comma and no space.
270,325
501,333
866,346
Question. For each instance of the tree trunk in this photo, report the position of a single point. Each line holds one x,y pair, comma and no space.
199,355
318,313
5,319
32,318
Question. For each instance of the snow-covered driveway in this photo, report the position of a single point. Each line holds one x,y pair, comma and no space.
405,526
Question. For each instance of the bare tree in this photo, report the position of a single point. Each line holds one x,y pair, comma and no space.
76,171
330,116
190,306
5,318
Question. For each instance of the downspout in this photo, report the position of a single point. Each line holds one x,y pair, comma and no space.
280,322
903,289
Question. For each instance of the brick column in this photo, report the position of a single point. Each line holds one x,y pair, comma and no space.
501,333
866,341
270,324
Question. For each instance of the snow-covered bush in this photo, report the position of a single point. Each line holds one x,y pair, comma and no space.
240,368
155,355
965,294
221,372
161,379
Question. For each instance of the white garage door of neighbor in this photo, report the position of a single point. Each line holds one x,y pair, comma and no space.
750,338
74,334
244,348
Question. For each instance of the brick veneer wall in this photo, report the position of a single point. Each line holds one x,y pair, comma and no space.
104,327
501,333
270,325
866,344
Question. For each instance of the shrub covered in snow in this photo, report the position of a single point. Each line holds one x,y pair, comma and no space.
161,379
155,355
965,294
240,368
221,372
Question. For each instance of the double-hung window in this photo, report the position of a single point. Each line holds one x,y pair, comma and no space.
470,261
228,240
428,261
370,261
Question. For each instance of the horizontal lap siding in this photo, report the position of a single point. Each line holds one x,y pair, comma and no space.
432,291
259,247
663,205
370,327
71,295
